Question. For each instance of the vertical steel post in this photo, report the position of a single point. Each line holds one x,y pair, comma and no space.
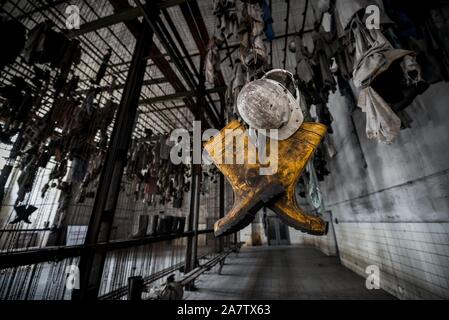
192,244
193,187
222,184
196,217
101,221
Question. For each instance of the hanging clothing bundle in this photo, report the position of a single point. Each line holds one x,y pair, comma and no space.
93,172
18,105
322,57
103,119
36,131
346,10
304,69
44,45
236,84
103,67
423,27
305,74
381,122
227,24
78,170
63,107
251,33
375,56
268,21
313,71
13,36
319,8
153,176
212,63
256,22
27,177
389,76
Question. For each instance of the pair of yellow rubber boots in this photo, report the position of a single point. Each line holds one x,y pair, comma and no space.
253,191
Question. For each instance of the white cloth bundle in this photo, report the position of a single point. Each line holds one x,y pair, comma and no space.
381,122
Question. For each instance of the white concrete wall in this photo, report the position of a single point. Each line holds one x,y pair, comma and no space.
412,257
395,213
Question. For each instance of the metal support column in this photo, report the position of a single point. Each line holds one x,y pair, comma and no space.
196,216
101,221
193,187
222,209
192,245
201,101
192,240
222,182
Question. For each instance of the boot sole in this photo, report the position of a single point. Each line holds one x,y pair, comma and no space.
246,215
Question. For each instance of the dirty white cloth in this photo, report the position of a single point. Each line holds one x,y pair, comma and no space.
319,8
374,54
212,62
381,122
303,68
374,62
251,35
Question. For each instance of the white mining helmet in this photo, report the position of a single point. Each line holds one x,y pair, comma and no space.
268,104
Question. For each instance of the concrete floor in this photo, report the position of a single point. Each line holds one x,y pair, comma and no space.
282,273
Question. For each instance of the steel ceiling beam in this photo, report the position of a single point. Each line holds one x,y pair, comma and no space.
174,107
232,48
146,83
159,60
181,95
122,16
42,9
125,15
